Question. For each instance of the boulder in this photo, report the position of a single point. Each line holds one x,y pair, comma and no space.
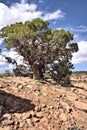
80,105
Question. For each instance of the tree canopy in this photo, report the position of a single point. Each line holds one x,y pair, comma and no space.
42,47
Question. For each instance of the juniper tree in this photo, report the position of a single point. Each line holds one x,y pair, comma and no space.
40,46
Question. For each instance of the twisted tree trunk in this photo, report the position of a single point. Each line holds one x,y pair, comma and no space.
38,70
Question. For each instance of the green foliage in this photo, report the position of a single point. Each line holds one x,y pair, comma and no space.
20,70
40,46
60,72
10,60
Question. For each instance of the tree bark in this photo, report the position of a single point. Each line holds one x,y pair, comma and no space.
38,71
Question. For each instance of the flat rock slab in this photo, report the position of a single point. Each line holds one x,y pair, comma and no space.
80,105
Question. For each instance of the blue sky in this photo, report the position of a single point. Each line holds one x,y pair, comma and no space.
68,14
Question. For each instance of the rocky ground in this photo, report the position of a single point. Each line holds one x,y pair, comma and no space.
26,104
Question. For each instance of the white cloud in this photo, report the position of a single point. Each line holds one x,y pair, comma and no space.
23,1
2,60
11,66
1,41
10,53
81,55
81,28
54,15
24,11
14,55
19,60
78,29
17,12
41,1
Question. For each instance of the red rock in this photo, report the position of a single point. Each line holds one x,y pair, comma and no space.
8,116
29,123
35,120
66,106
63,117
39,115
80,105
26,115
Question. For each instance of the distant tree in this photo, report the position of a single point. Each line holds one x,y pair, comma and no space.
41,46
7,73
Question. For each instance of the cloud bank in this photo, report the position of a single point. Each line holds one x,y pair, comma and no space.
80,29
81,55
24,11
14,55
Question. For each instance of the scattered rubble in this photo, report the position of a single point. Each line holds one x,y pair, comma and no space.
27,104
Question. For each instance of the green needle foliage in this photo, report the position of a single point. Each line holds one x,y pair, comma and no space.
40,46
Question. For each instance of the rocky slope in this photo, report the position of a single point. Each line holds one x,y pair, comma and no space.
26,104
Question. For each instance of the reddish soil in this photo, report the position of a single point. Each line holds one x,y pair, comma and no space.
27,104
